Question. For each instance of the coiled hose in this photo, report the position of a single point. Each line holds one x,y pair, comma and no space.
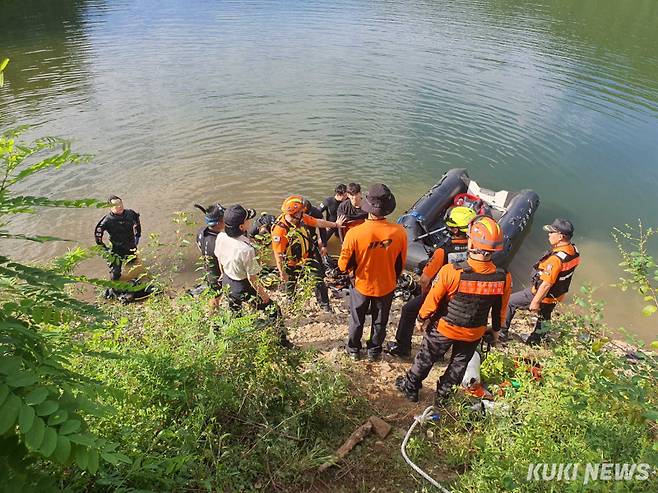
420,420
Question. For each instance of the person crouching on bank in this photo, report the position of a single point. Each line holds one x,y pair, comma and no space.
237,258
453,251
293,246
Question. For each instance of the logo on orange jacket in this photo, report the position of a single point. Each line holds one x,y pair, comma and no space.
380,244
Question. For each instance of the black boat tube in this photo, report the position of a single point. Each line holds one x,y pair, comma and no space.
515,224
427,214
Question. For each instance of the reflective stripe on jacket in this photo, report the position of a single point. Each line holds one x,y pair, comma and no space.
568,258
476,296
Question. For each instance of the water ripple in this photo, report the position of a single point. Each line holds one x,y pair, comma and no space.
252,100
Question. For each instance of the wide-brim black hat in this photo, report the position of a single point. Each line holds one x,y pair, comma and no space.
379,200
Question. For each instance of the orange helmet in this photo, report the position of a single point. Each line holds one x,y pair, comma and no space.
485,234
293,205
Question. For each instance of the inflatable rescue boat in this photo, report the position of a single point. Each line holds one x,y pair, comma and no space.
425,221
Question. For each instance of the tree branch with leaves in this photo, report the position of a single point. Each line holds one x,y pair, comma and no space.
43,403
638,264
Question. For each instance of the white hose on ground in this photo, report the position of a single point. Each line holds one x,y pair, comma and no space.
420,419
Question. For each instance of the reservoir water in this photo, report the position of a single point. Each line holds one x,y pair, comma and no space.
199,101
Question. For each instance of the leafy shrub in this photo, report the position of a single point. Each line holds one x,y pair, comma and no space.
208,403
43,406
496,367
592,405
641,270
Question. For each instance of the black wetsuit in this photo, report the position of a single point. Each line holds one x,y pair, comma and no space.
355,215
124,231
329,207
205,240
317,213
261,226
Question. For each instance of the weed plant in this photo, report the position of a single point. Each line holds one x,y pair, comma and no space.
211,403
593,404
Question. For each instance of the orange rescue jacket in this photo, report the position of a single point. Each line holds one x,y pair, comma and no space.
446,286
375,252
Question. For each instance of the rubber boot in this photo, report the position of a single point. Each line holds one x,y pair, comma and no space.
354,355
286,343
408,390
443,394
394,349
533,339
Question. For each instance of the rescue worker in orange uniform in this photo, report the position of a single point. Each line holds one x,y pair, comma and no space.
374,253
452,252
292,242
462,295
551,279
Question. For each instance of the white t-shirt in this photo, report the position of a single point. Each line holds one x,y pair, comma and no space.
236,256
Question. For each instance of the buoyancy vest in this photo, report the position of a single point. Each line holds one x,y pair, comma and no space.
300,241
568,264
476,295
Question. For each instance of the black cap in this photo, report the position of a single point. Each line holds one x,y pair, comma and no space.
379,200
235,215
562,226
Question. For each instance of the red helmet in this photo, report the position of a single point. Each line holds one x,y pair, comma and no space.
293,205
485,234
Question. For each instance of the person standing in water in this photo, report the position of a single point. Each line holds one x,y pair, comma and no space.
124,230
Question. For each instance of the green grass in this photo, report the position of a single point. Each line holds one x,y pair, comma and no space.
591,405
208,403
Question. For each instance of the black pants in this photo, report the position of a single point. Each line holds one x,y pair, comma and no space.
214,281
522,300
331,232
434,346
317,273
379,307
408,316
116,261
241,291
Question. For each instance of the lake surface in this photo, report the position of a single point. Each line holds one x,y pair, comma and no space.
199,101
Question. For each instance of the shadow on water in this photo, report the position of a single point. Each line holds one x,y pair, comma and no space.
47,44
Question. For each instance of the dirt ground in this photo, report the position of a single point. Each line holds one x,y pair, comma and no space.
376,464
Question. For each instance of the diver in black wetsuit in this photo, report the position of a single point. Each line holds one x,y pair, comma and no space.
329,207
351,209
205,241
320,246
260,228
124,230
